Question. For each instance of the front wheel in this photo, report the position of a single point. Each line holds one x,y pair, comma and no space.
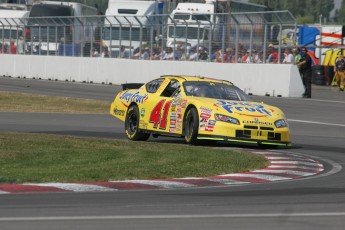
132,125
191,126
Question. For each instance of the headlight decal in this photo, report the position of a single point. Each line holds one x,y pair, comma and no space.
281,123
228,119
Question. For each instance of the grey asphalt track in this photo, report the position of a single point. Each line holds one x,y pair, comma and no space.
317,127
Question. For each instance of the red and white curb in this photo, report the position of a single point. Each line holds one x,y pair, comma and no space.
284,166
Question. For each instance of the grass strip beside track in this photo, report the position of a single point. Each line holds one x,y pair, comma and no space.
22,102
56,158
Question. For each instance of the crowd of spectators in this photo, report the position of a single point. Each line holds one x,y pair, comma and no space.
13,47
179,53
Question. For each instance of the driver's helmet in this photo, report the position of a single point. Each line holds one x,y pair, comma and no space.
201,92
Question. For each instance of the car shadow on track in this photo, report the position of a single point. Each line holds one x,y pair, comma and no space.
220,144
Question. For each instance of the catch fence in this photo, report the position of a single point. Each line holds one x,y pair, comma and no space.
233,38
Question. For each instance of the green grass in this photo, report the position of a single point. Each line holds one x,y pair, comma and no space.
55,158
22,102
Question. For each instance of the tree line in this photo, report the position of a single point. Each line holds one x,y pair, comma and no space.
305,11
308,11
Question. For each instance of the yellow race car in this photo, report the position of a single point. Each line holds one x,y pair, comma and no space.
198,109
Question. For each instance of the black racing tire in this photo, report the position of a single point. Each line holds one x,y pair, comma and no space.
132,125
191,126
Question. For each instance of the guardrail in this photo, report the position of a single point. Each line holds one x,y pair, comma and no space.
257,79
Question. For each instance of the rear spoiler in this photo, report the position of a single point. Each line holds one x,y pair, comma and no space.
131,86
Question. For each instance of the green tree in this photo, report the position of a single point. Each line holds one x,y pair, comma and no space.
307,11
340,14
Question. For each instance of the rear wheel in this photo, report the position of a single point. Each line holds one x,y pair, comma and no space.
132,125
191,126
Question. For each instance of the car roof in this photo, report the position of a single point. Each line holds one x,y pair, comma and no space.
197,78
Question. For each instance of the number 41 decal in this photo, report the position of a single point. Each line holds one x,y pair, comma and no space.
156,117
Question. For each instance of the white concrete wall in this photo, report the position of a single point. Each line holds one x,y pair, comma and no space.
258,79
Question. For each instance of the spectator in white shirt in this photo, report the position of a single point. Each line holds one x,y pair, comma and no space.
168,54
193,55
289,58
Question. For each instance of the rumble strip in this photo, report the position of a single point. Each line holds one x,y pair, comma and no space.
284,166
